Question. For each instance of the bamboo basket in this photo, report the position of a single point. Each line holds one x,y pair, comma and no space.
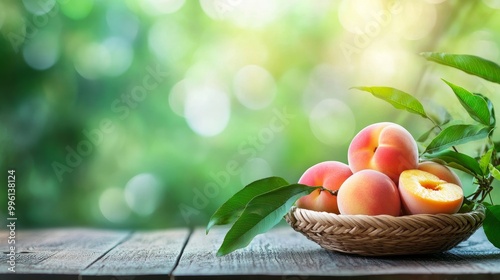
385,235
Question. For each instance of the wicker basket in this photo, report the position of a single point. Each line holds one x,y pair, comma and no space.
385,235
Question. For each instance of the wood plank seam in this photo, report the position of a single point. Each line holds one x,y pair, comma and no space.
171,274
127,237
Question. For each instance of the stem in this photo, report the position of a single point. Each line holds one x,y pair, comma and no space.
335,192
483,190
441,129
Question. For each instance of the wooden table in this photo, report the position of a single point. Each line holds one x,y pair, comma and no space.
183,254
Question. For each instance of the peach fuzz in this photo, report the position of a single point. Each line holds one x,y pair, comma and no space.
330,175
369,192
443,172
424,193
386,147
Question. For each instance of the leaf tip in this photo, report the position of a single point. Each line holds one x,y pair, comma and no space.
220,253
425,54
209,226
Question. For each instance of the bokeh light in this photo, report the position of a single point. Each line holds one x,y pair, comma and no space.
113,206
43,51
410,24
254,169
159,7
495,4
76,9
254,14
254,87
143,194
332,122
231,91
177,96
39,7
122,22
356,16
207,110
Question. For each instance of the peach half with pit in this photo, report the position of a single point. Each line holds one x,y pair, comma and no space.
425,193
442,171
328,174
386,147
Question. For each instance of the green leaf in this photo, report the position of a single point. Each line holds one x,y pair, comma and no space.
261,214
233,207
476,105
491,224
397,98
497,146
494,171
471,64
484,161
456,160
456,135
437,113
467,206
426,135
492,110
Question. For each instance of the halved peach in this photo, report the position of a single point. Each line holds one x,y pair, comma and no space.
424,193
443,172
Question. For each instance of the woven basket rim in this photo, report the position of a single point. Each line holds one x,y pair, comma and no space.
385,234
479,210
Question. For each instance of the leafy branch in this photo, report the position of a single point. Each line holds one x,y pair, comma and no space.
257,208
262,204
483,167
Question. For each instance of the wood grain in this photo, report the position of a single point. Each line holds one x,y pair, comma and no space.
149,254
42,254
176,254
285,254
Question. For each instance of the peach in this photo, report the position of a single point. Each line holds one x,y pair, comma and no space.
443,172
425,193
385,147
369,192
330,175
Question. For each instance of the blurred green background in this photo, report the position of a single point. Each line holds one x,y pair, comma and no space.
150,114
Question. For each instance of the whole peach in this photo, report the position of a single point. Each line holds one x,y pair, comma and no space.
330,175
443,172
369,192
386,147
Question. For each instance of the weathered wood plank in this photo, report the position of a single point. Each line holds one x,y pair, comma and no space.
56,253
475,256
285,254
281,253
145,255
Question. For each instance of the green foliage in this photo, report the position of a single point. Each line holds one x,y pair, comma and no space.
484,161
456,135
475,104
483,167
262,213
471,64
456,160
427,134
494,171
397,98
491,224
232,209
268,206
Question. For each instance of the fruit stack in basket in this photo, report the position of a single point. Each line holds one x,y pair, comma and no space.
383,177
